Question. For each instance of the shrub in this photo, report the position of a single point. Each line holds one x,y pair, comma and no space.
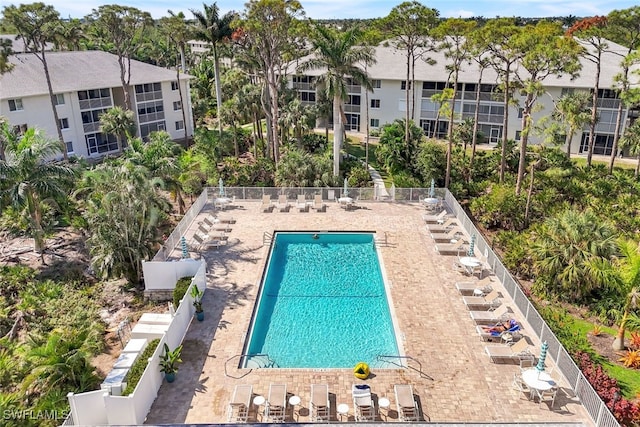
359,177
500,208
625,411
630,359
181,288
561,323
136,371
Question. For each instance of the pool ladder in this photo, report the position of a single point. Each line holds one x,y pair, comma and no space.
395,360
257,360
266,238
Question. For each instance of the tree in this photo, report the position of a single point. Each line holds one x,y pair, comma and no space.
573,112
479,55
175,29
30,181
453,34
268,33
120,30
628,265
591,31
624,27
38,25
5,52
569,254
393,153
216,30
499,37
544,53
119,122
71,35
631,141
409,25
339,53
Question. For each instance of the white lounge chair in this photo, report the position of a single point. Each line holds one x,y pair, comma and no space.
276,404
302,204
283,203
407,405
454,233
267,204
489,317
456,248
487,302
203,241
238,410
433,219
508,353
318,204
446,226
319,405
483,286
362,403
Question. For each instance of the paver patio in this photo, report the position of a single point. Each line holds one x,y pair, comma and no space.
460,383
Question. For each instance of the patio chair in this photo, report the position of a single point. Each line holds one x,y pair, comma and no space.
433,219
203,241
456,248
491,300
331,195
508,353
266,205
276,404
474,288
487,334
448,235
407,405
319,405
444,227
362,403
302,203
546,395
283,203
490,317
318,204
238,410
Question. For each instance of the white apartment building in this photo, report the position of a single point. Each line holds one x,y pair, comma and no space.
387,102
85,84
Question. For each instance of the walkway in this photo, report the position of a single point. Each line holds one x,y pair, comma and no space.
433,324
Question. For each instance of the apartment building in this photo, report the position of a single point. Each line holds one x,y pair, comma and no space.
86,84
387,102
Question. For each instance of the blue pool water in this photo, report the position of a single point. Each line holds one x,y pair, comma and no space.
323,303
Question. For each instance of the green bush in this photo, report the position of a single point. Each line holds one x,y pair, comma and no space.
566,330
500,208
136,371
181,288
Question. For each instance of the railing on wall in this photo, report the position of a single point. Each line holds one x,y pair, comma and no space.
594,405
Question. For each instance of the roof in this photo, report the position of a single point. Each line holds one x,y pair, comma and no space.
391,65
17,43
74,70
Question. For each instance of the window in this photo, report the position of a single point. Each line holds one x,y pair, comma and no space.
520,113
179,125
307,96
98,143
353,100
375,103
377,84
15,105
470,87
174,85
59,98
176,105
374,123
403,85
518,135
69,145
64,123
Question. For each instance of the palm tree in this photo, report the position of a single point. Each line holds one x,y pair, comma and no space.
631,140
629,268
215,29
30,181
119,122
570,252
573,110
339,53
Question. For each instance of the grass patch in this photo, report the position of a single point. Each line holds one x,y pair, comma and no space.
628,379
583,327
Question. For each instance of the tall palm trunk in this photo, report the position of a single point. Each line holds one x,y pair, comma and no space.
505,123
216,76
338,134
52,99
447,177
524,140
594,114
476,116
568,140
616,137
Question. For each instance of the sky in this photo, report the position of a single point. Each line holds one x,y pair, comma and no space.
336,9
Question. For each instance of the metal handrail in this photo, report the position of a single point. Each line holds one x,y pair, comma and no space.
270,362
380,357
266,238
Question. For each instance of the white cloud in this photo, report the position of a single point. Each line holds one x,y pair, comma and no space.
458,14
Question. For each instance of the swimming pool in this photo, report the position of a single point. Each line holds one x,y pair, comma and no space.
322,303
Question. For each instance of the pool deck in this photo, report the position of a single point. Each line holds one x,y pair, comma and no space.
459,384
